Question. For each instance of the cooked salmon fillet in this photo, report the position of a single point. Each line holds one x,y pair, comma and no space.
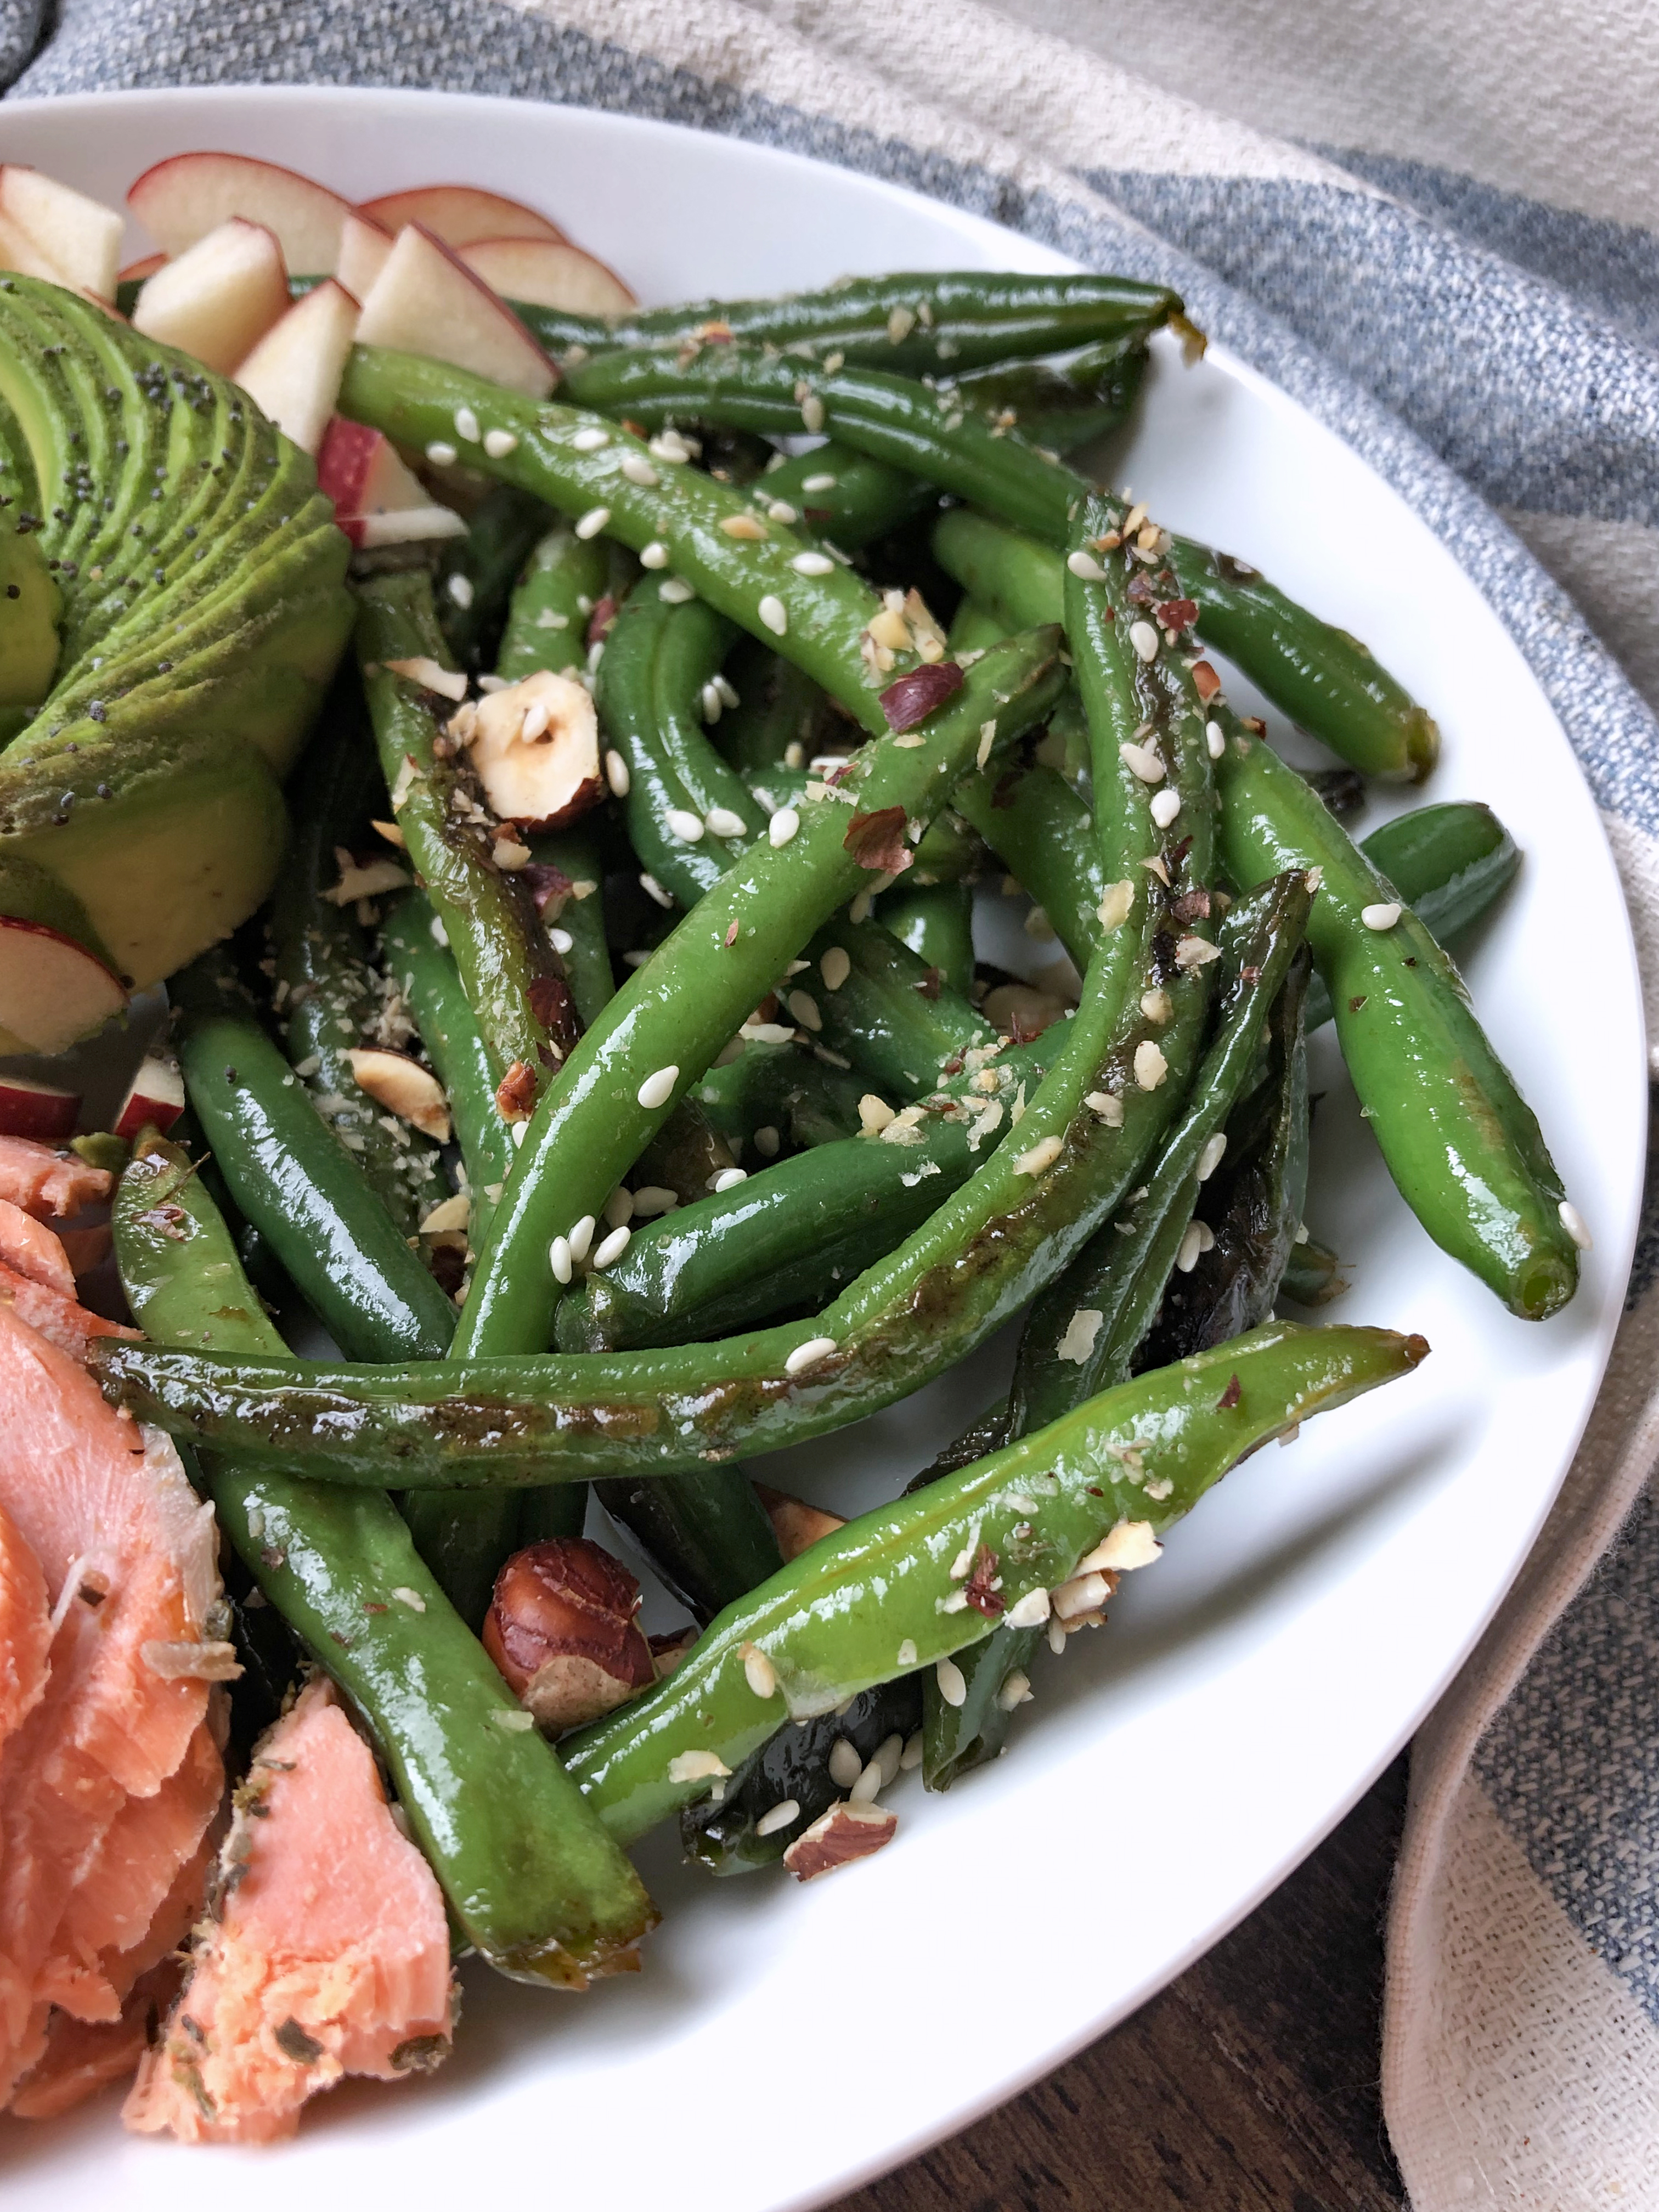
28,1248
111,1774
60,1319
327,1952
48,1183
25,1630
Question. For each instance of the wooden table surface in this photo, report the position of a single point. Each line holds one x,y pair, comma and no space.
1249,2085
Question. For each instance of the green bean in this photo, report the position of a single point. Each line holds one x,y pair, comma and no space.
579,915
782,719
1311,1274
892,1014
530,1879
775,1094
936,922
1036,823
1318,675
891,1591
920,322
293,1180
563,580
706,1533
973,627
476,573
1462,1146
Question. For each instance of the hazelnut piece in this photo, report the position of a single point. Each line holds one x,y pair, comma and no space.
563,1631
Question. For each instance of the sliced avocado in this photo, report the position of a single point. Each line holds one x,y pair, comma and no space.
31,606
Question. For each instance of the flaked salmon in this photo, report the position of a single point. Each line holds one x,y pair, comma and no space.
28,1248
25,1629
49,1184
62,1321
327,1952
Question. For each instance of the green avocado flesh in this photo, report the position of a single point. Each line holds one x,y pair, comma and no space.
187,577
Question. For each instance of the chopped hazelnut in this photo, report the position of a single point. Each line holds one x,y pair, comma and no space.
562,1630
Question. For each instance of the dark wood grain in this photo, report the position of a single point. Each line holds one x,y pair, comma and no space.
1249,2085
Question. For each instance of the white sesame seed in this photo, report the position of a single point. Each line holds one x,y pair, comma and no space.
729,1178
836,967
441,455
1144,638
1150,1065
724,822
616,774
658,1089
560,939
804,1008
817,484
783,825
681,823
783,1814
1016,1691
654,556
618,1207
767,1141
867,1788
559,1255
669,446
1380,917
652,1198
710,701
809,1354
654,890
613,1249
772,612
1042,1156
728,694
676,592
1028,1612
582,1237
519,1132
953,1683
812,564
639,471
589,439
874,1113
910,1757
592,522
844,1763
1212,1156
1215,738
466,426
887,1756
1166,804
1086,565
906,1654
811,413
748,527
498,444
1576,1225
1143,761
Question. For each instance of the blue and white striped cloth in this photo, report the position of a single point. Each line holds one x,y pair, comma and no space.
1494,358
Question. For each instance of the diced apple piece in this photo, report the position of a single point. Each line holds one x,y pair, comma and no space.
182,199
52,989
19,252
426,301
536,747
543,275
293,373
403,526
36,1109
363,249
460,214
80,236
377,500
155,1094
218,300
404,1088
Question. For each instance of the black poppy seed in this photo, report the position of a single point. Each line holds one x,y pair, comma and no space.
13,591
105,791
97,712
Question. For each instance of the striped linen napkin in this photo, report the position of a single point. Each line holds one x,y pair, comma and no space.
1492,356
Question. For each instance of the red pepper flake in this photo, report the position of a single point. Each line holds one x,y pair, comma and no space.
515,1094
546,884
369,1606
876,841
1230,1397
913,697
1206,682
599,622
731,937
1177,614
953,1066
978,1590
927,985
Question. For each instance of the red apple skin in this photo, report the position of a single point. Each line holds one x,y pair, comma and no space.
78,997
524,367
37,1110
343,461
458,214
182,198
156,1095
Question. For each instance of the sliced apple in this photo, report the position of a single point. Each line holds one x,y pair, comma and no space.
156,1094
403,526
180,200
536,747
52,989
363,249
293,373
404,1088
426,301
37,1109
460,214
19,252
81,236
377,500
220,297
545,275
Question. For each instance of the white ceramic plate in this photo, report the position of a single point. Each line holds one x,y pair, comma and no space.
784,2044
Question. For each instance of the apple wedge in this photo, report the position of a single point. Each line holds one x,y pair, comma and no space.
363,250
404,1088
458,214
293,373
52,989
36,1109
80,236
19,252
426,301
156,1094
220,297
377,500
548,276
180,200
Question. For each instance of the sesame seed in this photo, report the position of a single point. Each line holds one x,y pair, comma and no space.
811,413
783,1814
767,1141
1041,1158
887,1756
724,822
676,592
618,1207
1212,1156
441,455
1576,1225
681,823
906,1654
582,1237
1380,917
616,774
589,439
779,510
1016,1691
817,484
783,825
592,522
710,701
1086,565
1215,738
613,1247
836,967
952,1684
654,556
748,526
1150,1065
867,1788
874,1113
1144,638
772,612
1199,1239
639,471
652,1198
559,1255
669,446
812,564
654,890
520,1131
1143,761
466,426
844,1764
1166,804
498,444
729,1178
910,1757
1030,1611
804,1008
658,1089
809,1354
1056,1634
